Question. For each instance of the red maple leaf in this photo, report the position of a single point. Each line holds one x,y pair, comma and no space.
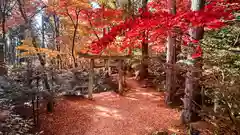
198,52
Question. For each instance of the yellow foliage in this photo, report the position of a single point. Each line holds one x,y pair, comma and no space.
53,2
83,49
84,35
108,3
22,47
78,3
30,51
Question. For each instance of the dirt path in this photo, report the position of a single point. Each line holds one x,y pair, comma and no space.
139,112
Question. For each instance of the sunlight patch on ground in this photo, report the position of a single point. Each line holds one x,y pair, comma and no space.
174,130
118,116
109,99
105,109
104,114
145,94
108,112
149,129
80,106
135,90
132,98
157,99
151,96
109,115
106,95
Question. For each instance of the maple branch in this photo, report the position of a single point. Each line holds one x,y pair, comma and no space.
43,2
77,11
70,16
5,5
23,13
37,12
11,7
2,5
92,27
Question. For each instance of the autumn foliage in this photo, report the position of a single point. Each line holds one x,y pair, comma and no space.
98,29
158,22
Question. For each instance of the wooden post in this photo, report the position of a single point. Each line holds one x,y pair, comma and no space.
109,67
170,71
91,75
3,70
171,60
105,64
190,112
120,77
33,109
37,113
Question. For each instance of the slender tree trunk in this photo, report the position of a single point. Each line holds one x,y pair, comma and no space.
3,45
73,46
77,11
120,77
58,47
192,89
144,64
43,32
43,35
171,59
4,33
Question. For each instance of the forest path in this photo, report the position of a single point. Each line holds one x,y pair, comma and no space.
139,112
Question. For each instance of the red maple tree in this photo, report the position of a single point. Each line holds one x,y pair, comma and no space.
158,22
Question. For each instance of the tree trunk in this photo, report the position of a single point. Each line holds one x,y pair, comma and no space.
120,77
56,26
189,113
192,89
3,45
171,60
170,71
73,46
43,32
2,64
91,81
77,11
144,65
